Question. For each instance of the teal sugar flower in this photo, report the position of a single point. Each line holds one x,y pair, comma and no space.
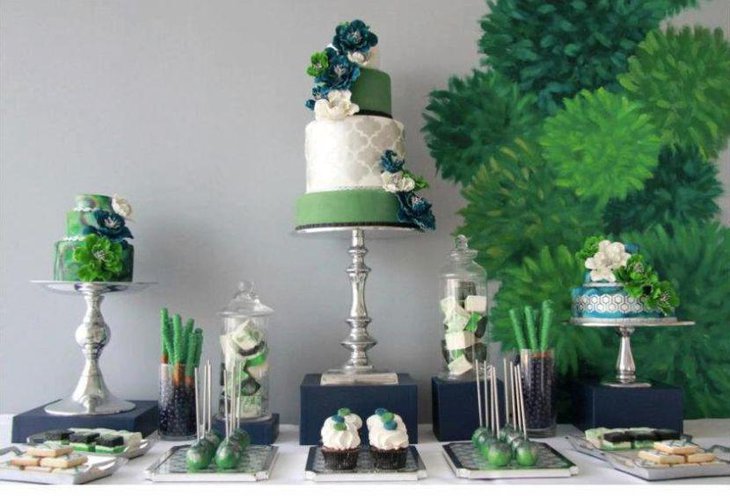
354,36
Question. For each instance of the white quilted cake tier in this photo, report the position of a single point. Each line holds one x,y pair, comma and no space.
345,154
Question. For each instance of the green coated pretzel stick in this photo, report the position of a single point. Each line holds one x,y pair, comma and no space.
177,339
198,338
192,346
531,327
517,327
547,320
165,336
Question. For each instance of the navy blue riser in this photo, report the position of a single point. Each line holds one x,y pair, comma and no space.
659,407
454,408
144,419
319,402
261,431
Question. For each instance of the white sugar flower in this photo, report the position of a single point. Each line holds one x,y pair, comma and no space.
395,182
335,107
609,257
122,207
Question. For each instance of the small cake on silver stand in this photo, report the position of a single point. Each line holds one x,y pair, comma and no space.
91,396
625,365
358,369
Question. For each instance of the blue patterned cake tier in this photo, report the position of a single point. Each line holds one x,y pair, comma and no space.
608,302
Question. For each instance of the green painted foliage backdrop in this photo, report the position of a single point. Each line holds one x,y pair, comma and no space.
586,117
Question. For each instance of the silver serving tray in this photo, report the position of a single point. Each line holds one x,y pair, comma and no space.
256,465
364,471
98,467
631,464
582,445
467,463
135,452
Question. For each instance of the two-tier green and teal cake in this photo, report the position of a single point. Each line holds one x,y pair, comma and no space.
620,287
354,148
95,247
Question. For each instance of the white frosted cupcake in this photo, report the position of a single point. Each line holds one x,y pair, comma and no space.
375,419
340,444
351,419
388,441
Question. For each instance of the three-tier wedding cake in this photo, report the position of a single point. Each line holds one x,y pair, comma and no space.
354,149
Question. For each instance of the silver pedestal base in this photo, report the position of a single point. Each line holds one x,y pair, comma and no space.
107,406
625,365
340,377
358,369
91,395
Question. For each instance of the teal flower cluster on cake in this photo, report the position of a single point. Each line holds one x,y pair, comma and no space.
95,247
619,284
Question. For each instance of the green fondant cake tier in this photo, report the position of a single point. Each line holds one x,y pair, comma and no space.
90,202
65,269
83,213
347,207
371,91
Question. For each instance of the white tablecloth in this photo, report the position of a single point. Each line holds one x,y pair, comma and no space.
289,468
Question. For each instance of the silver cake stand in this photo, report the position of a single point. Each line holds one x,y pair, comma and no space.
358,369
625,365
91,396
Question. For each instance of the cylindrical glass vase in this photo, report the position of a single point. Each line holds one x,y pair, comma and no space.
177,403
539,392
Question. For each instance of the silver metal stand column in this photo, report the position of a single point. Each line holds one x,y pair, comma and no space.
358,341
91,396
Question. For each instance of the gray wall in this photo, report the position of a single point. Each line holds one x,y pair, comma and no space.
194,111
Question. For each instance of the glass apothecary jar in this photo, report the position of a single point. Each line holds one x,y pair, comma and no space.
245,354
463,308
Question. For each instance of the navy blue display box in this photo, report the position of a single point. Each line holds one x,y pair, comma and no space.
261,431
143,418
659,407
319,402
454,408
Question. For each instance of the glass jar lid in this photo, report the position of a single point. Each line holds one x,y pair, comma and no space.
246,303
461,251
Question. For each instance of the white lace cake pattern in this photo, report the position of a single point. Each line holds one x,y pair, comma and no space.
346,154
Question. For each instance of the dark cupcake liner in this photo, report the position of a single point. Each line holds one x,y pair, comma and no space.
340,459
394,459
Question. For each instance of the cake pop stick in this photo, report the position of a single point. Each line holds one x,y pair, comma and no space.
479,395
486,395
197,404
496,399
209,372
521,397
513,393
507,394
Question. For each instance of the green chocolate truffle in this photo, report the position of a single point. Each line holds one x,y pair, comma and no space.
241,437
199,455
478,434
